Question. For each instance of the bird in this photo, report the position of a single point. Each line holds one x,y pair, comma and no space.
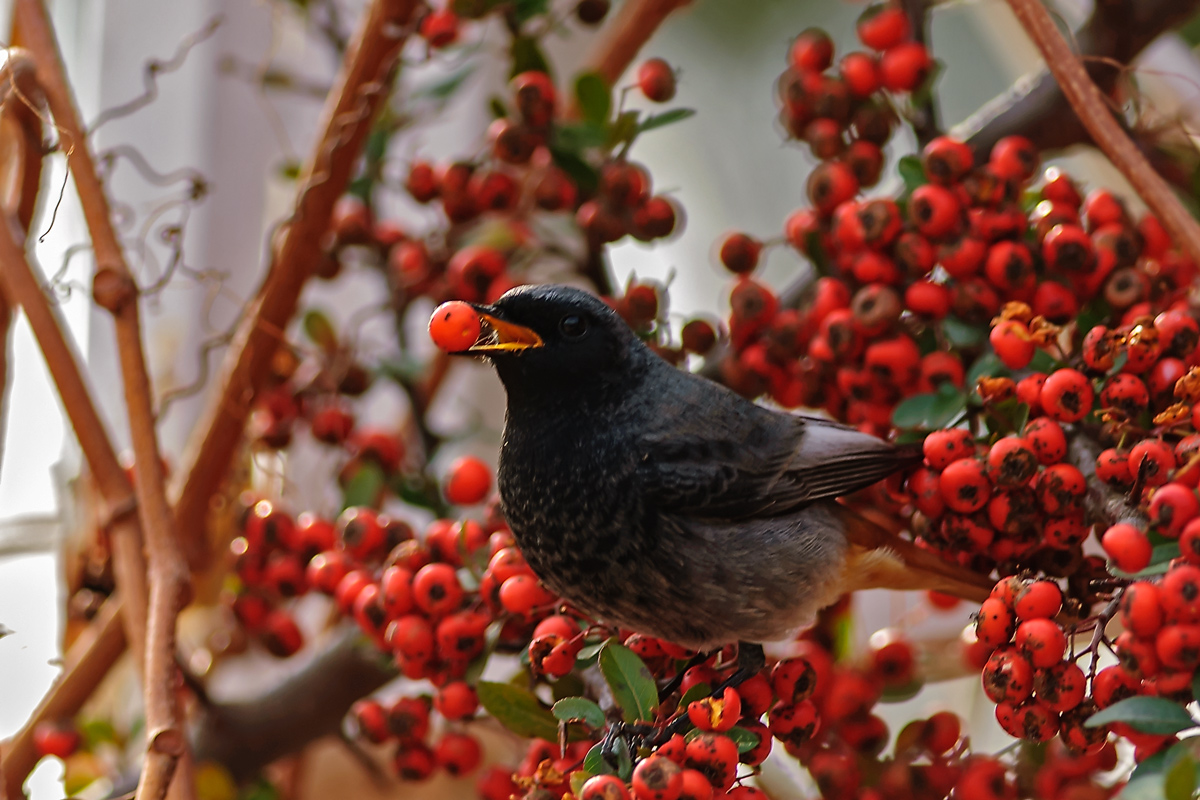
659,501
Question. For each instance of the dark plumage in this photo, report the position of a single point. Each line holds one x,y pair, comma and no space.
658,500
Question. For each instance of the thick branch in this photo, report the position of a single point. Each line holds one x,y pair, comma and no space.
631,27
1089,104
87,662
361,90
246,736
114,289
1034,107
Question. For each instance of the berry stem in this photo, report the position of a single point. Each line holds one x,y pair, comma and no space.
1085,97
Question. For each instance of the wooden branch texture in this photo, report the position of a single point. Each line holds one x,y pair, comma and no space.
624,36
361,89
1089,104
114,289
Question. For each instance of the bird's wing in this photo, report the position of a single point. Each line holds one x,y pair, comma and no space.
739,460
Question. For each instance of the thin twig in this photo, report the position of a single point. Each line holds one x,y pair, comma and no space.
361,91
114,289
87,662
1089,104
630,28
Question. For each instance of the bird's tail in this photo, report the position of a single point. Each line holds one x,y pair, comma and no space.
879,559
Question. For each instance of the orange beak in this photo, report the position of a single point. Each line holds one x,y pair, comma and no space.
504,336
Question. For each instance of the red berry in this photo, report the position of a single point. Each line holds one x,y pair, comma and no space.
457,753
994,623
1042,641
739,253
1014,158
60,740
604,787
1067,395
935,211
657,778
811,51
1172,507
882,27
944,447
904,67
1151,461
1008,677
965,486
1040,599
1011,462
436,589
860,71
439,27
468,481
456,700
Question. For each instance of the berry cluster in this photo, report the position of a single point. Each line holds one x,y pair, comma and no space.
427,601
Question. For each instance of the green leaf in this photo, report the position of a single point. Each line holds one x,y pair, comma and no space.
578,779
1180,782
948,404
579,170
320,331
912,172
1043,361
963,334
1145,714
624,765
365,486
698,691
527,56
581,136
913,411
1196,685
594,763
624,129
744,739
579,709
569,685
590,650
289,170
497,107
632,684
987,365
1160,560
444,88
594,97
1093,314
653,121
517,709
525,10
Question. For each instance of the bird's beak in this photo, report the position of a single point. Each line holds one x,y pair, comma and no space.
504,337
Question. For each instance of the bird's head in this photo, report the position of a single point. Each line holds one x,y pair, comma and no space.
557,338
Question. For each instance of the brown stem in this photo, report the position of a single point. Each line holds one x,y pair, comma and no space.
1089,104
114,289
23,100
86,664
630,28
247,735
1034,106
362,88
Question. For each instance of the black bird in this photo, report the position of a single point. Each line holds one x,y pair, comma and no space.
662,502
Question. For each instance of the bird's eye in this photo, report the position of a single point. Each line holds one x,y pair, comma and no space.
573,326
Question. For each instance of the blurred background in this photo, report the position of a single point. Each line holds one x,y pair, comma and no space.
211,121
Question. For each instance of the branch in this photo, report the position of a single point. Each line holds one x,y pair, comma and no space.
113,288
1034,107
246,736
631,27
1089,104
362,88
86,664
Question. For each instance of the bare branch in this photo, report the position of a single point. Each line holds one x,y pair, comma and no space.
361,90
114,289
1089,104
87,662
1034,107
